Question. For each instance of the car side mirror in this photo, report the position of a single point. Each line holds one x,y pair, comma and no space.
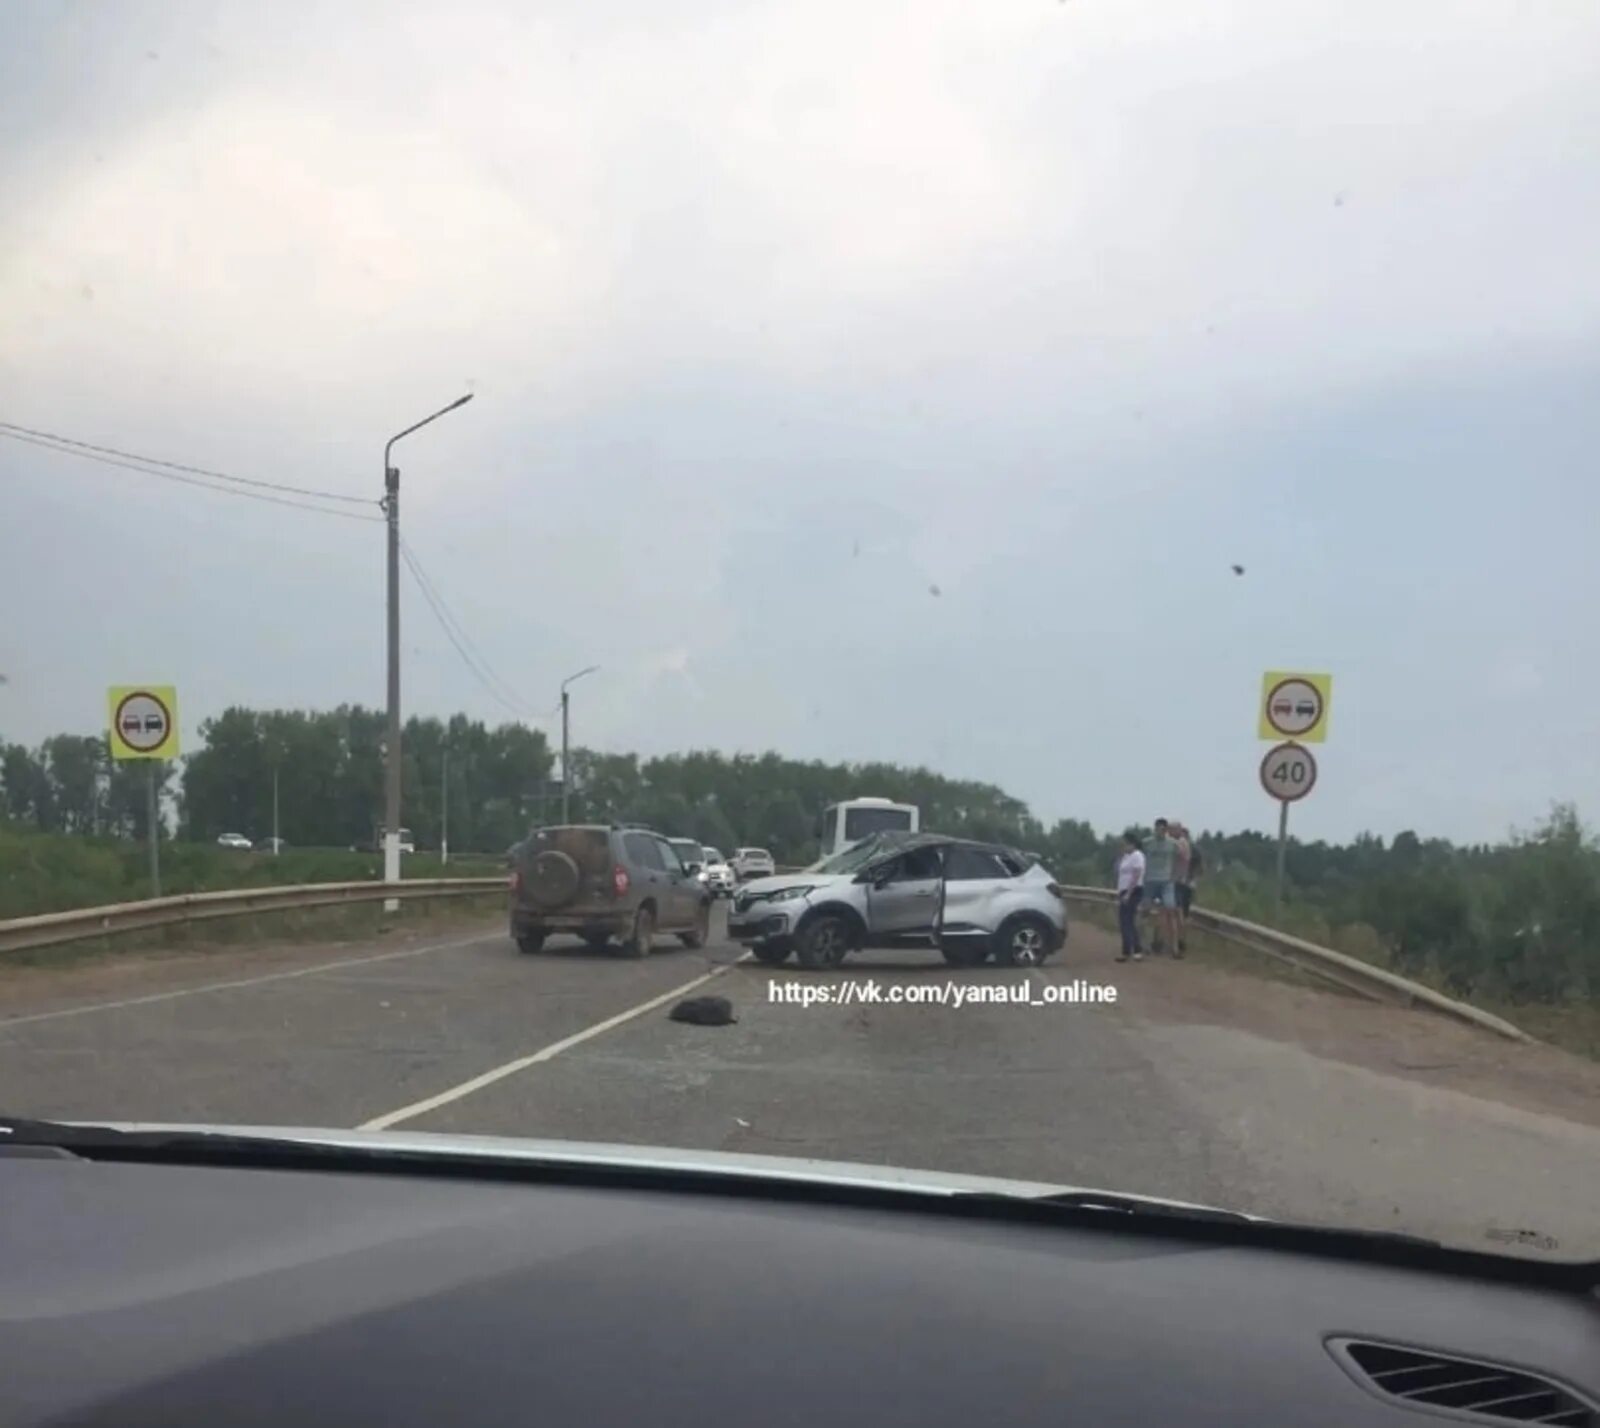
691,869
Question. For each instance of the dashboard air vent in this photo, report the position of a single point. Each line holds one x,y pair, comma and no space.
1466,1388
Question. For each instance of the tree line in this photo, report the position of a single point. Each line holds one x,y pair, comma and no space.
1519,918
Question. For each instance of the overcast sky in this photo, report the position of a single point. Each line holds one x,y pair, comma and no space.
779,317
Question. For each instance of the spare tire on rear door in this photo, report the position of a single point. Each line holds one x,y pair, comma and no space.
552,880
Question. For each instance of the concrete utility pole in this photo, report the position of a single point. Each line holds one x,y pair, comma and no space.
566,769
391,792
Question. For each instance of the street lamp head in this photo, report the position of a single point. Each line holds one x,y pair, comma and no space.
459,402
573,678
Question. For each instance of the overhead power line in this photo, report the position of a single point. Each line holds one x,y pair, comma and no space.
7,427
86,454
480,668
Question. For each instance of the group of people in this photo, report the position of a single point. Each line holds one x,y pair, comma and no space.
1158,873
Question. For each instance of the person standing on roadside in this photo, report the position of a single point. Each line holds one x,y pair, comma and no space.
1181,885
1130,889
1160,885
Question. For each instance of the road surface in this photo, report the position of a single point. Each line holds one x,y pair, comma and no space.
1198,1083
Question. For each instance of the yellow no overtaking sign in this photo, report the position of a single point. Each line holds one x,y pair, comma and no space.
144,721
1294,706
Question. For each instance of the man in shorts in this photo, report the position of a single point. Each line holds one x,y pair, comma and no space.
1183,881
1161,886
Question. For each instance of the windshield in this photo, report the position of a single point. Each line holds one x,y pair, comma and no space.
1148,445
857,855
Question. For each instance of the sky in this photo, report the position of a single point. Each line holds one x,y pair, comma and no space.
864,380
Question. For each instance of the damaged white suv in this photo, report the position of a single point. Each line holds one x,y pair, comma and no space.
970,900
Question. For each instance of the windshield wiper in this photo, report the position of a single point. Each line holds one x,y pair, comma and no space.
1112,1200
23,1130
1299,1232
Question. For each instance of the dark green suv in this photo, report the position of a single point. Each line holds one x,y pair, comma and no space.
605,883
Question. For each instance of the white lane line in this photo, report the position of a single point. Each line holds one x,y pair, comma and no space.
545,1053
6,1023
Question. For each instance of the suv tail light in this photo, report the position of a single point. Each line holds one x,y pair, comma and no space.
619,881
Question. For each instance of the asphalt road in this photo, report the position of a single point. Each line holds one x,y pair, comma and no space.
1168,1092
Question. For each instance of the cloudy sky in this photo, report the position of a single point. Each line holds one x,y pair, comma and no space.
780,317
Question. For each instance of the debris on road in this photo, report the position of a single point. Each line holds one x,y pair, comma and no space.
704,1011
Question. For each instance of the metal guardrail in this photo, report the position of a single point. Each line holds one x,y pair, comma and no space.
1351,973
50,929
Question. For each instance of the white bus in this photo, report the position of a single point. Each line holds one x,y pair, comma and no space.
856,818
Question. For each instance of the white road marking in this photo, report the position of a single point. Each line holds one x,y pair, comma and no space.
545,1053
8,1022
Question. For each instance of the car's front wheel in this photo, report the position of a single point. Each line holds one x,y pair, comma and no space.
1024,941
823,941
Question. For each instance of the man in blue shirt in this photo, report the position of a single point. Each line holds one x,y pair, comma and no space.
1161,886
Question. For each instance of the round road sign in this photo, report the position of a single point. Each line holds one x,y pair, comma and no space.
143,722
1294,707
1288,772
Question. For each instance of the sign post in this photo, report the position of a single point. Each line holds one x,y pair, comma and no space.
1294,707
1288,773
144,725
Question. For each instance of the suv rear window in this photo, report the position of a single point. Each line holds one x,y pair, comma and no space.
589,848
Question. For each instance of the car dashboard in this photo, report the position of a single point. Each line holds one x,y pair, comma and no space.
185,1294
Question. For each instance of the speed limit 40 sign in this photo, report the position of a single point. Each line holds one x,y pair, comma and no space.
1288,772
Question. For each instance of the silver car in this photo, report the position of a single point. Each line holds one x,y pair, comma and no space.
971,900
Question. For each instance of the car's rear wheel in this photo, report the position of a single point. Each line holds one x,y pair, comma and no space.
643,936
965,952
701,934
772,956
530,942
1024,941
823,942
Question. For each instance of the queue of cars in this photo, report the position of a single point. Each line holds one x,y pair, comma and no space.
626,884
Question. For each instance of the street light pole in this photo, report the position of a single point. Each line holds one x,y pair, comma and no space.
566,767
391,796
275,839
444,812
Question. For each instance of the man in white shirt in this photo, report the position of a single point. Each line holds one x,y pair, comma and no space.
1130,889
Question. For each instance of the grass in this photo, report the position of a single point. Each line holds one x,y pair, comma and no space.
41,872
1572,1026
